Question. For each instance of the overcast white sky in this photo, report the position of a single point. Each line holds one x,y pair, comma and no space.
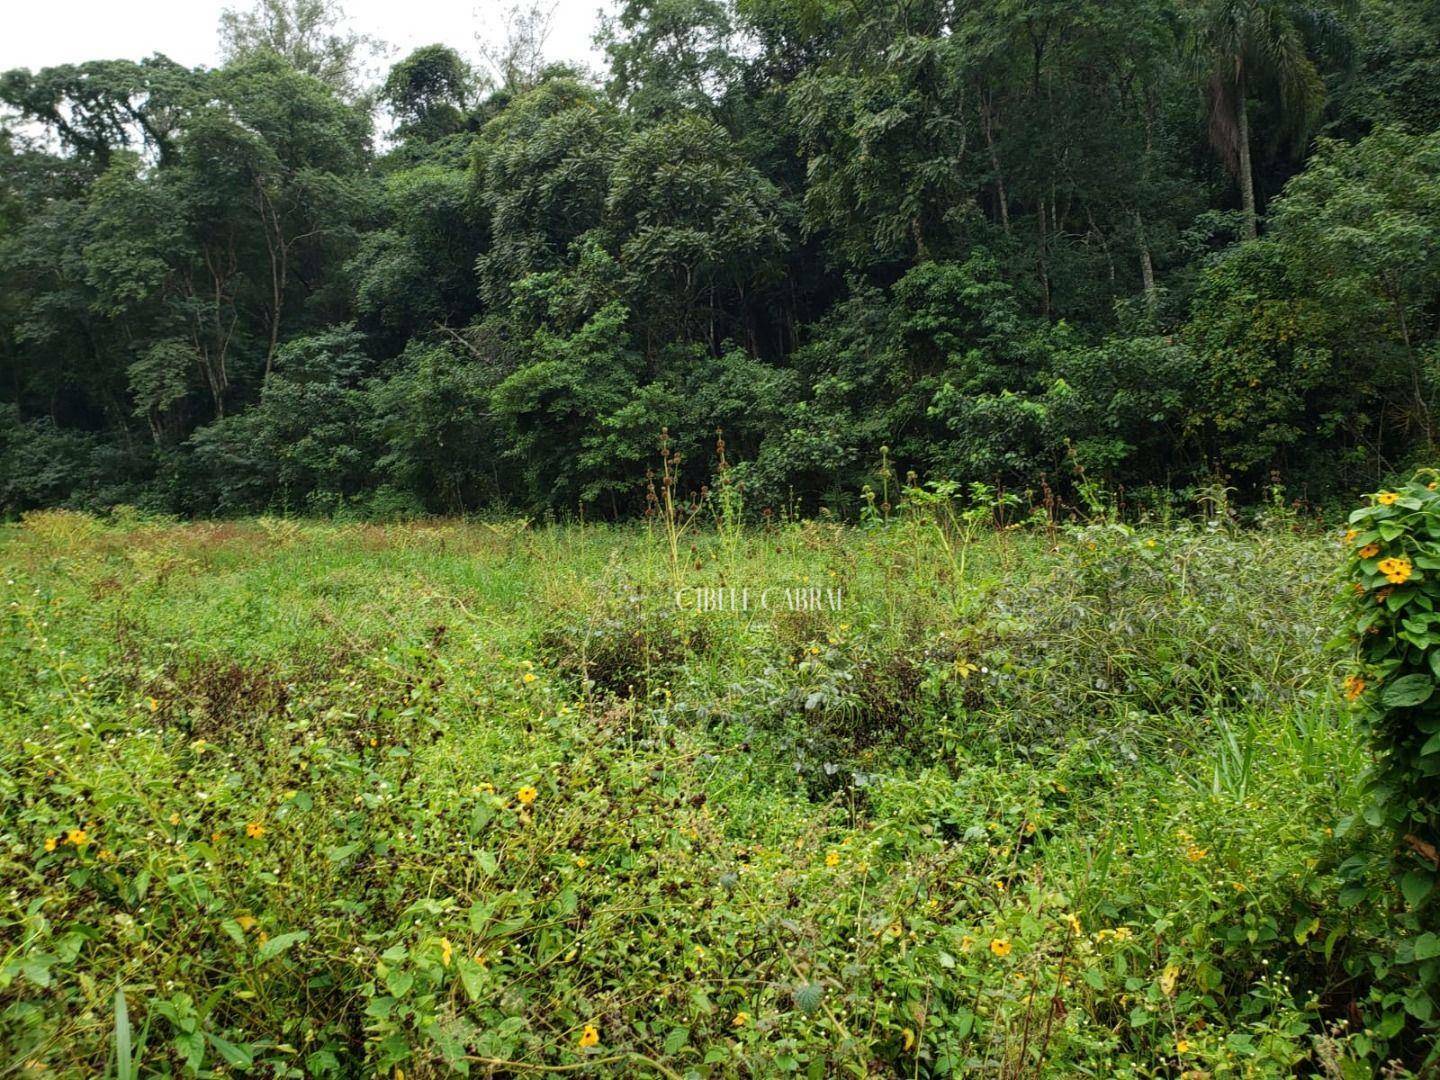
36,35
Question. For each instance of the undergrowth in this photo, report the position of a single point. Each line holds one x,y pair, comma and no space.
298,799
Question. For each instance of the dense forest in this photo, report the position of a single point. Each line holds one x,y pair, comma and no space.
1157,246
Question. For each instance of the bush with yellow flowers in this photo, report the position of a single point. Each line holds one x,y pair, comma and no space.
1393,560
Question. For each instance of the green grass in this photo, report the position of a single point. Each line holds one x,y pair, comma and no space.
1079,810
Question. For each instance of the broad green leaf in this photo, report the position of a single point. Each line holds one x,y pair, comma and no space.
277,945
1408,691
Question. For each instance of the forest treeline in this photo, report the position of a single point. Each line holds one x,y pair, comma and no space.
1150,244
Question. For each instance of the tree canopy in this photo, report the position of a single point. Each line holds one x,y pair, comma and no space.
1031,243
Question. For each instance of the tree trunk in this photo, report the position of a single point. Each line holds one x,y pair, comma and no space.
1247,177
1147,267
922,250
1000,195
1041,263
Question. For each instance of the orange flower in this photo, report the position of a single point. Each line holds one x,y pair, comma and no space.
589,1037
254,830
1354,687
1369,551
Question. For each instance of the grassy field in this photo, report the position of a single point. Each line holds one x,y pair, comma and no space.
432,798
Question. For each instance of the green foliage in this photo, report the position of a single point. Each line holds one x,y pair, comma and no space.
668,56
542,171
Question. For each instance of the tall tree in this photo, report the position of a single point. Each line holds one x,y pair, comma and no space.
1246,48
515,49
310,34
428,92
668,55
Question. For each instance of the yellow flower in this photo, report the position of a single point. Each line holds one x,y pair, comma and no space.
1000,946
581,861
528,677
527,795
909,1037
1354,687
215,837
1387,498
154,705
832,859
106,855
1181,1046
254,830
590,1036
1350,535
78,837
1195,854
174,819
51,843
1396,571
1369,551
446,951
741,1019
1073,921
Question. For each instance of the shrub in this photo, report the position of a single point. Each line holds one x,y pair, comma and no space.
622,646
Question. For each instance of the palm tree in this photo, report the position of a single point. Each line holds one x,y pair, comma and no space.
1249,47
